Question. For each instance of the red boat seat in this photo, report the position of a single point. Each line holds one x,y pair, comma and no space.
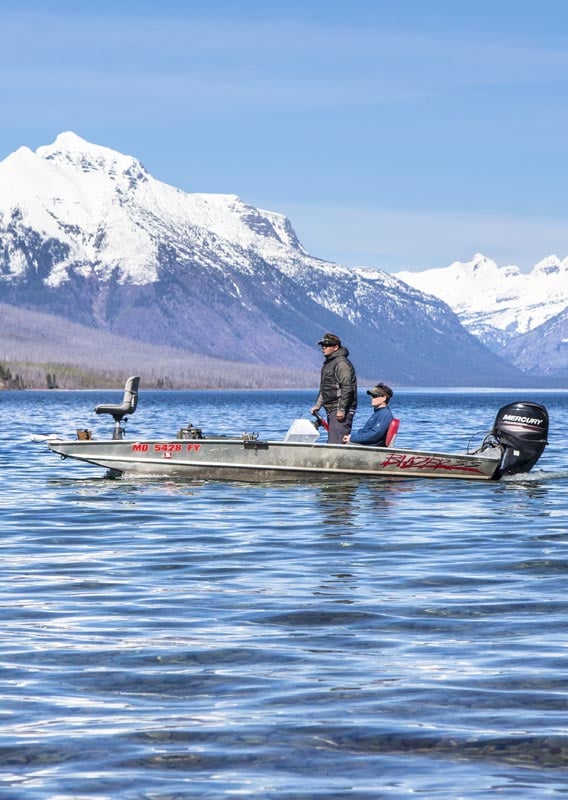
392,432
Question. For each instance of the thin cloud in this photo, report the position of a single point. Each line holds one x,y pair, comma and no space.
352,65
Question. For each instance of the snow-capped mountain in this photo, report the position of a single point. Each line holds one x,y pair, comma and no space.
497,303
109,213
88,234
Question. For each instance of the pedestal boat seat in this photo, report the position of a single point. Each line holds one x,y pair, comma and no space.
127,406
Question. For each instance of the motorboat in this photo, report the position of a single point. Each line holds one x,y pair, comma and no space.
513,445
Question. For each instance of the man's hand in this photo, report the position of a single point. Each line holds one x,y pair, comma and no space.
315,409
346,439
341,416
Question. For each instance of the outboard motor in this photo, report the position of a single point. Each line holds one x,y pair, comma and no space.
522,431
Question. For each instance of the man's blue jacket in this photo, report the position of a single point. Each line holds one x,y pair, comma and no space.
375,429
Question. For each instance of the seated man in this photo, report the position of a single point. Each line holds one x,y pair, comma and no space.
374,431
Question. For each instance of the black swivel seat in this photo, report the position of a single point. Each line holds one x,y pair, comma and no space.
128,406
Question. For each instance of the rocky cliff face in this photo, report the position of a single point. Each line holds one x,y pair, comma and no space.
543,352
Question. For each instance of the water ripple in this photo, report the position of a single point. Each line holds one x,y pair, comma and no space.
195,639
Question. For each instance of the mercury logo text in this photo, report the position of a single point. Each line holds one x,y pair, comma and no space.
526,420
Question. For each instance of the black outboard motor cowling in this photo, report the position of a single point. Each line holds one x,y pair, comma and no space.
522,430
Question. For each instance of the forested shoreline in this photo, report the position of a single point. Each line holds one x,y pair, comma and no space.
22,376
41,351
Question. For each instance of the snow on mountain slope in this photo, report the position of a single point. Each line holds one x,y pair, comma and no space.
111,214
66,194
73,185
485,295
88,234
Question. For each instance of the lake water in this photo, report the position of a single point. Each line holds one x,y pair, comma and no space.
374,639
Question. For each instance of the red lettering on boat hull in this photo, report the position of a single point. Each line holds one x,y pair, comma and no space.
430,463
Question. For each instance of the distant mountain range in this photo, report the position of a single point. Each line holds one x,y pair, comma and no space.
523,317
89,237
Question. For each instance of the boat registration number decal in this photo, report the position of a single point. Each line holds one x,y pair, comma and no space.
165,447
425,462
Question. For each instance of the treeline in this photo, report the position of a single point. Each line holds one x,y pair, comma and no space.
9,380
231,376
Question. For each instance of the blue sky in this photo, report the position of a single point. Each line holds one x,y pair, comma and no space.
400,134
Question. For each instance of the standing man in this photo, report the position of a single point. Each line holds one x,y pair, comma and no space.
338,389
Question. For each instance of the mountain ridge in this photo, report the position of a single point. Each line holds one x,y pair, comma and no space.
87,234
501,306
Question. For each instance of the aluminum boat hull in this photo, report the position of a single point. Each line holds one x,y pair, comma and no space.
255,460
